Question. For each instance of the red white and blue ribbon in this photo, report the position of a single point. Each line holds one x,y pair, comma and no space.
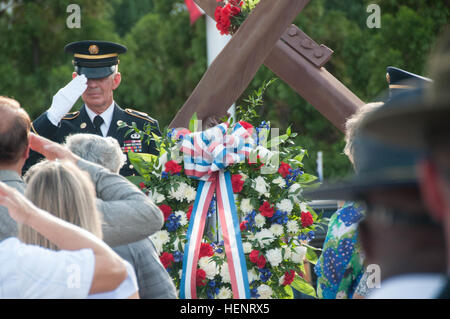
206,156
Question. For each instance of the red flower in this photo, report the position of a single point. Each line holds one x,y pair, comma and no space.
284,169
166,259
307,219
243,225
288,277
172,167
257,258
189,212
142,185
205,250
266,210
237,183
223,16
166,210
200,279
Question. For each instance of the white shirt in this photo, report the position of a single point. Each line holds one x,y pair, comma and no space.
33,272
410,286
126,289
106,115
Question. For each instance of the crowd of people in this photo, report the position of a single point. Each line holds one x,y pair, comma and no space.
394,225
72,226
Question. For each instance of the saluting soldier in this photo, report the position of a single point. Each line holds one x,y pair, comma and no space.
95,78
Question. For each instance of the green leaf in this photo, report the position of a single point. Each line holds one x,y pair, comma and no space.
311,255
306,178
303,286
193,123
142,162
136,180
288,290
277,141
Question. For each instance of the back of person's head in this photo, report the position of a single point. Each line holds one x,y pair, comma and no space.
62,189
437,132
352,126
15,126
104,151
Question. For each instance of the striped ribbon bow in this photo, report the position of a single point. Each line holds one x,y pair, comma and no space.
206,156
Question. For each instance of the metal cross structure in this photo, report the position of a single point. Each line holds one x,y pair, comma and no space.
268,37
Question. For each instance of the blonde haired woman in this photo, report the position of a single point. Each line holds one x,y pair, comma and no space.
61,188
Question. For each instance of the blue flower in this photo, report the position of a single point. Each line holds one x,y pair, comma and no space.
250,218
177,256
292,176
173,222
265,274
212,289
311,235
212,207
254,293
164,174
279,217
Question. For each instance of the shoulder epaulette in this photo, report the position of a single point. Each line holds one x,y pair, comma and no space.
141,115
71,116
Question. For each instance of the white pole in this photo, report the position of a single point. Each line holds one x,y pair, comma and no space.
320,165
215,42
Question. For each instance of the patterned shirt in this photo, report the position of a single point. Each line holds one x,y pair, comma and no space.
340,266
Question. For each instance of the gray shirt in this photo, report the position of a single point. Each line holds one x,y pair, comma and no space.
128,214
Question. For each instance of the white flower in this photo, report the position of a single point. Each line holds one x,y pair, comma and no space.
209,266
264,237
252,275
294,188
243,175
292,226
247,247
246,206
265,292
287,252
224,273
190,193
179,193
277,229
183,217
224,293
274,256
279,181
156,197
260,220
159,239
260,185
298,254
285,206
281,280
177,242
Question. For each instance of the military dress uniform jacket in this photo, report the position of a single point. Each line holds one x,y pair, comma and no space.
79,122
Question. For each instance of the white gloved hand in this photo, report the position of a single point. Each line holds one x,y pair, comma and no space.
65,98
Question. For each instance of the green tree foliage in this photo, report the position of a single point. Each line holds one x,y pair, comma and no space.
167,57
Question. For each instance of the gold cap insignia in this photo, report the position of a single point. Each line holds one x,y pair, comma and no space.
93,49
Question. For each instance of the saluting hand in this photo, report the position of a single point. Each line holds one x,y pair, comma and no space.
50,149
